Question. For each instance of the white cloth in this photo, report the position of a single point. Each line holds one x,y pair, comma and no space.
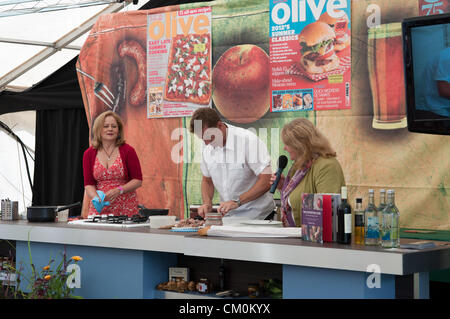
255,231
234,169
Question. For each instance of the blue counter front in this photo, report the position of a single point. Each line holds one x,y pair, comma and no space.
130,262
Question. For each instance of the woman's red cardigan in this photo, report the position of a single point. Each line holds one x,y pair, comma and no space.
132,167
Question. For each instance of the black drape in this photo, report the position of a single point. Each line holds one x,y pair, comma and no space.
62,135
60,90
61,138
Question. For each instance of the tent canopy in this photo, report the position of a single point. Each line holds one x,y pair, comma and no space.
39,37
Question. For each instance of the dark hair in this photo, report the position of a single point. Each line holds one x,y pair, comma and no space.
207,115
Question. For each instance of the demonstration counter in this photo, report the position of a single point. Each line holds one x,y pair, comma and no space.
130,262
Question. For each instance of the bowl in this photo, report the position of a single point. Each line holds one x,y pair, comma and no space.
161,221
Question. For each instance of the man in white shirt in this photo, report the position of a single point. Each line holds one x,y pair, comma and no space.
236,163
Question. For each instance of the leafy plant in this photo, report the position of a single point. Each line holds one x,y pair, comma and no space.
273,288
46,283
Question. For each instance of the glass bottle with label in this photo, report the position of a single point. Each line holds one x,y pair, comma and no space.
371,222
390,223
344,234
382,200
203,286
359,222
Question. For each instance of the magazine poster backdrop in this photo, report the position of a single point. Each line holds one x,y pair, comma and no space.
381,156
310,55
179,62
430,7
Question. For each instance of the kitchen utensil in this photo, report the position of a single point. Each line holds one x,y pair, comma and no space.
46,213
102,91
143,211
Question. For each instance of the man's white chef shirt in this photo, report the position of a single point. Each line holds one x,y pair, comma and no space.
234,169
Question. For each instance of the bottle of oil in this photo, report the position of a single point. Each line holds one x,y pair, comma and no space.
359,222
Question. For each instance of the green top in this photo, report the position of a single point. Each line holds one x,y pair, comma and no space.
324,176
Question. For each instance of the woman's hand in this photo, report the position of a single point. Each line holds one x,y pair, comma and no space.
280,182
112,194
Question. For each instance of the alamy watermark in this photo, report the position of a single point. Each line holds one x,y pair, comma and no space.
374,278
251,148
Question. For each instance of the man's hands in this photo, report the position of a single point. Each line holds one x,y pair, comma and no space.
204,209
225,207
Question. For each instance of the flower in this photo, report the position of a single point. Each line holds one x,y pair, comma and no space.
51,282
76,258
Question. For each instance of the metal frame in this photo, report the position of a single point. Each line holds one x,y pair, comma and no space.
20,7
52,48
38,43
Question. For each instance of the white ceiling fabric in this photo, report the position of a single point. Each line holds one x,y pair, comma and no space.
22,36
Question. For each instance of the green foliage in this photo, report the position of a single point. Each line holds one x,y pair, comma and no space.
273,288
47,283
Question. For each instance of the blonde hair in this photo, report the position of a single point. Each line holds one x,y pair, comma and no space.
98,127
301,135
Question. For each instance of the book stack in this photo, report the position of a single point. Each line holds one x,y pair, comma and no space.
319,217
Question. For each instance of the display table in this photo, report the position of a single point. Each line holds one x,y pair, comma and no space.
130,262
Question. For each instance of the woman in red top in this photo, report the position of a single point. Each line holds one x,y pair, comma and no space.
112,166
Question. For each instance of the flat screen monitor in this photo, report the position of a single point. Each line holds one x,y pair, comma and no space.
426,53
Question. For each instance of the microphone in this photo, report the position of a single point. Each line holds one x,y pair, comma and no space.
282,162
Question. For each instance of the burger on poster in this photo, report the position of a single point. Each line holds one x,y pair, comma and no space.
340,27
317,48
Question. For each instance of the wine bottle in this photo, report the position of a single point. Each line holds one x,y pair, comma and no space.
371,222
389,223
359,222
344,235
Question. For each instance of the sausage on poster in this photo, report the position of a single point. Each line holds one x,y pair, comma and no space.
134,50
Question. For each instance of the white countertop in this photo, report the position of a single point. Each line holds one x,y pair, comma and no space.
290,251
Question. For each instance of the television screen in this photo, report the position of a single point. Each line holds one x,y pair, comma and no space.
426,44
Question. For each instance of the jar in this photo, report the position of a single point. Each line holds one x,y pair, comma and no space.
253,290
213,219
203,286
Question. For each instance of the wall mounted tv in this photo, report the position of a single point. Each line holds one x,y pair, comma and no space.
426,48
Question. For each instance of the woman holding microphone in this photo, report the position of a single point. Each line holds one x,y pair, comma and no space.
315,168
